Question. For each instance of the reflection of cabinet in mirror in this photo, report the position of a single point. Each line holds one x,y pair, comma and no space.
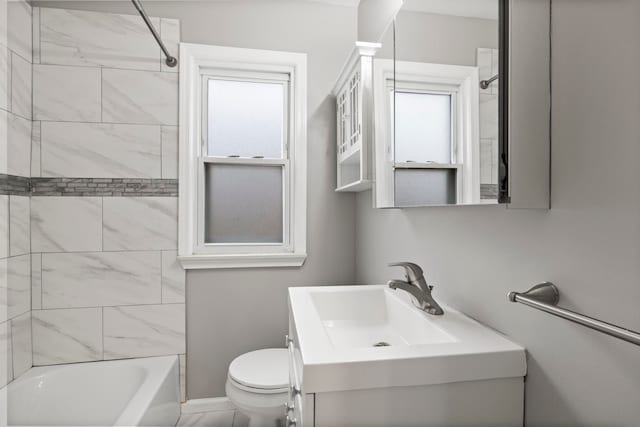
430,154
354,119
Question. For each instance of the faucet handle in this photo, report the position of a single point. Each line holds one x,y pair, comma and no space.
413,271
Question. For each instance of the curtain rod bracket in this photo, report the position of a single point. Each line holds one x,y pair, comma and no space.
171,61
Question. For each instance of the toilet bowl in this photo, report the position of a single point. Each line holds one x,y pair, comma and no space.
257,384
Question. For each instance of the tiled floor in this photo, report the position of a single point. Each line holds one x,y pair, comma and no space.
214,419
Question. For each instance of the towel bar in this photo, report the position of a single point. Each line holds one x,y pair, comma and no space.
545,297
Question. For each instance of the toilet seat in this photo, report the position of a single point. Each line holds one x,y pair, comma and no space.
262,371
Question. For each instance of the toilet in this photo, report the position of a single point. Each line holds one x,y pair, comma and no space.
257,384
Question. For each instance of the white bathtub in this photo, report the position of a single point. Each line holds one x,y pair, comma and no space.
134,392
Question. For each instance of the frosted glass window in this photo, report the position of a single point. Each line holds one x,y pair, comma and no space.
246,119
243,204
422,127
423,187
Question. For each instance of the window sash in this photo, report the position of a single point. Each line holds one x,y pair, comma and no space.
250,77
429,89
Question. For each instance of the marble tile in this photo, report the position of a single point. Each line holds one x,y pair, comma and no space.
4,289
483,62
141,97
20,86
485,161
240,420
170,33
182,359
21,344
488,116
495,69
71,37
140,331
5,78
4,29
35,149
6,355
100,279
494,161
70,94
169,137
19,27
173,278
67,336
4,140
19,145
35,34
19,225
36,281
84,150
140,223
66,224
4,226
208,419
15,286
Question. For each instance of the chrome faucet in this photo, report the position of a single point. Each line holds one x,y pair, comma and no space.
416,285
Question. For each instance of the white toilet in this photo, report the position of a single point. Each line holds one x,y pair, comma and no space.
257,384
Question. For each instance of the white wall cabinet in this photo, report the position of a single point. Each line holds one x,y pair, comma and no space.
354,119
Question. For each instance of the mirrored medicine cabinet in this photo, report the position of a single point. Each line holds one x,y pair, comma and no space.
446,103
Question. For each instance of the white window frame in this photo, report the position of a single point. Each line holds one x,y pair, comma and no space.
198,64
462,83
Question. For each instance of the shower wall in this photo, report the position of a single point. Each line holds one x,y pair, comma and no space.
107,284
15,148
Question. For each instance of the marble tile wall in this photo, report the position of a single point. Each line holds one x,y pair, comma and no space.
487,62
15,165
105,280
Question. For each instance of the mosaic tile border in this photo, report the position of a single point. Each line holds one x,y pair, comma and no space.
488,191
88,187
14,185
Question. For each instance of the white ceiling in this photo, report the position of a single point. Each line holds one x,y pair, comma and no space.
486,9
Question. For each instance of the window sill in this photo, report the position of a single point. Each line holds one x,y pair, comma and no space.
199,262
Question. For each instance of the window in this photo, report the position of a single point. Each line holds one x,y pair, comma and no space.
427,145
427,166
242,158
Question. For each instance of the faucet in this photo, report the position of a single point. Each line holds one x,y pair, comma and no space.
416,285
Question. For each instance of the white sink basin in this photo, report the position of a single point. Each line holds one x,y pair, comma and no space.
358,317
337,329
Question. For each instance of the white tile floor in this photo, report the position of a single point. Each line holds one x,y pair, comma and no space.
214,419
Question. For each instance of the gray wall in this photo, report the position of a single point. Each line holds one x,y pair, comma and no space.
588,243
230,312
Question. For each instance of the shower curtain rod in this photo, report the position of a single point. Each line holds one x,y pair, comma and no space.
171,60
484,84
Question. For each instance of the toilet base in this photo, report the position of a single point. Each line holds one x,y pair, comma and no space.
263,410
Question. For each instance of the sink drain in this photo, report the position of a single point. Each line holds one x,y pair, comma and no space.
382,344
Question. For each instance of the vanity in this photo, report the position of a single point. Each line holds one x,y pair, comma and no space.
366,356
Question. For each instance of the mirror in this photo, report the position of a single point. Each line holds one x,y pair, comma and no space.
437,104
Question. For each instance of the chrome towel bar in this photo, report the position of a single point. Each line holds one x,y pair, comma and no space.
545,297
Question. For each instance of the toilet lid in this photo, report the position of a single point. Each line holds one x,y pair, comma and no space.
266,369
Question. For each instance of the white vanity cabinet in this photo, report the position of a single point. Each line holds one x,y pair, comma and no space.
432,370
354,120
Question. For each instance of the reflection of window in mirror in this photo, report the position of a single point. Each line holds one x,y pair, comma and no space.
426,164
432,114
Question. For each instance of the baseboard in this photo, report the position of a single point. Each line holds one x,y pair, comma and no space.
194,406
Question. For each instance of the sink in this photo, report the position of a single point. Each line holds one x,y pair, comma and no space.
359,317
370,336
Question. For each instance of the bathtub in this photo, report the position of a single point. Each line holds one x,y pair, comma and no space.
133,392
